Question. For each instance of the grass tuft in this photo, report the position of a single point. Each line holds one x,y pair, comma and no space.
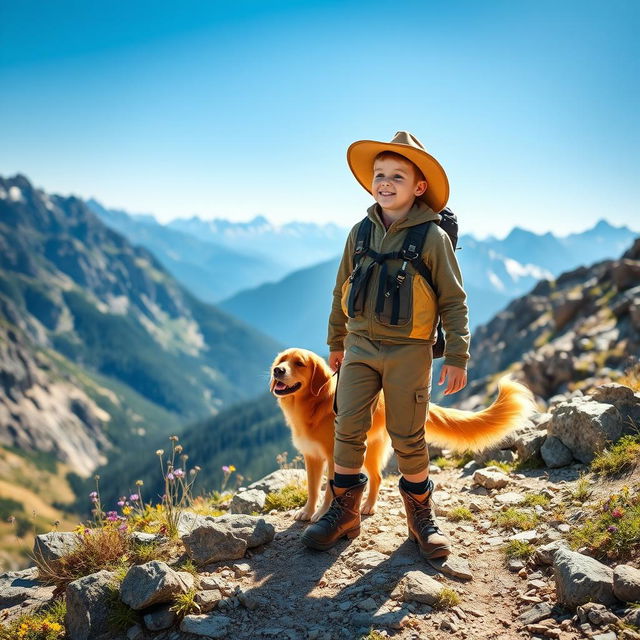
518,549
621,458
507,467
513,518
582,491
459,513
290,497
185,604
447,598
536,499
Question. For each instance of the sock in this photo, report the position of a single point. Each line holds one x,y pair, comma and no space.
415,487
346,480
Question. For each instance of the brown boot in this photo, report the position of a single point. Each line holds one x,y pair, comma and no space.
342,519
422,527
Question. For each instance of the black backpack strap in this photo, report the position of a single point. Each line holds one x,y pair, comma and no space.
363,237
412,250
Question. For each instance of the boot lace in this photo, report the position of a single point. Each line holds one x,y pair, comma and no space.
333,514
424,518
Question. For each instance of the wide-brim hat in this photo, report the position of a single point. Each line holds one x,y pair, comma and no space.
360,156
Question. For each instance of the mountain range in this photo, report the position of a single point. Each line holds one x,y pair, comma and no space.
101,347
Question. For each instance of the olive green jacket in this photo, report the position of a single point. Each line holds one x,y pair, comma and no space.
426,305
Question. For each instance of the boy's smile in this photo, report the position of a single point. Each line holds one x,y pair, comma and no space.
395,187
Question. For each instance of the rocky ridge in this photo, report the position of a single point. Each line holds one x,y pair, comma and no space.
574,332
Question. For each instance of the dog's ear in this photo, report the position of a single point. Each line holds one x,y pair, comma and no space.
318,378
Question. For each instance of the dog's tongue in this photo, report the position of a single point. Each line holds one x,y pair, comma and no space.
280,386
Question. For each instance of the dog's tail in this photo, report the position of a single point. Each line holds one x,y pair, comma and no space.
462,430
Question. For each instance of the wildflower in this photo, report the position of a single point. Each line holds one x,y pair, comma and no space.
120,503
612,528
178,473
170,476
139,483
133,497
179,448
173,438
94,499
93,494
160,452
617,513
126,510
225,468
112,516
197,468
122,527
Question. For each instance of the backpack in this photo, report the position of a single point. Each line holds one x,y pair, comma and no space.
411,252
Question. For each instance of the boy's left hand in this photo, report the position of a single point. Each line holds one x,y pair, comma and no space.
457,378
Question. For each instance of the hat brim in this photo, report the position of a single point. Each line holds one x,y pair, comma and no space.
360,156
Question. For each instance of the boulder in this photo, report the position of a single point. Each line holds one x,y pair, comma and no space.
54,545
581,579
279,480
626,583
17,587
153,583
226,538
554,453
87,601
248,502
544,554
584,426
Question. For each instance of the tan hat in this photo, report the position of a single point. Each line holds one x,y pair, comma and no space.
360,156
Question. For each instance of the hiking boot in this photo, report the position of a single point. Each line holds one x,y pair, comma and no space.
422,527
342,519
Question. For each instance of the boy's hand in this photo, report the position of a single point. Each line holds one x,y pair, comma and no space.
335,359
457,378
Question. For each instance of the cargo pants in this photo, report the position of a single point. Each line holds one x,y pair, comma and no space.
403,372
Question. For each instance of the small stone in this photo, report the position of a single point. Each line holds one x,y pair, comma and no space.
510,498
491,478
209,626
514,565
453,566
525,536
535,614
369,604
159,619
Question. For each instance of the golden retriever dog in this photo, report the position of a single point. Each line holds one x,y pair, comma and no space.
305,386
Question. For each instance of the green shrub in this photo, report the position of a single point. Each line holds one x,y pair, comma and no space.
518,549
620,458
459,513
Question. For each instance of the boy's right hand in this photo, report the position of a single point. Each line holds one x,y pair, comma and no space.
335,359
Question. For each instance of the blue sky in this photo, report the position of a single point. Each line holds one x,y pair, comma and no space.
234,109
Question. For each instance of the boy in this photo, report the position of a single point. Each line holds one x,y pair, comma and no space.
382,329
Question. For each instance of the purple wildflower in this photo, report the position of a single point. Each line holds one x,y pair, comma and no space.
134,496
170,476
120,503
612,528
178,473
225,469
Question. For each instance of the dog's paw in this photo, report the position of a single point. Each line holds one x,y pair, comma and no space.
368,508
303,514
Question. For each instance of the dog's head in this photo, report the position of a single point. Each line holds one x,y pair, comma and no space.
298,371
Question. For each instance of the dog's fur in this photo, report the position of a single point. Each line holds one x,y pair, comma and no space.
305,387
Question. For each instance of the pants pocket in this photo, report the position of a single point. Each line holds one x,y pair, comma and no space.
421,407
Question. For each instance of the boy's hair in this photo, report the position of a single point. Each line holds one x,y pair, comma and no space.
398,156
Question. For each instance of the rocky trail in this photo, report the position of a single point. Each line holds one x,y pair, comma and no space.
378,581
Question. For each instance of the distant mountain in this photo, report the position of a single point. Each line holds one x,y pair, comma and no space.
211,271
295,244
556,253
80,307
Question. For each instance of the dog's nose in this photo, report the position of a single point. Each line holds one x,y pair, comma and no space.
278,371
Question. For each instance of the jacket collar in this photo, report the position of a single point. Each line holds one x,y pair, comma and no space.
420,212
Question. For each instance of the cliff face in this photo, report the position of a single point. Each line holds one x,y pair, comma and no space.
571,333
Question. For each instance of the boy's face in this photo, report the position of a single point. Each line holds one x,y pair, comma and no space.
394,185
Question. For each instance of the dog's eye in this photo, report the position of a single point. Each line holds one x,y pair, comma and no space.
300,364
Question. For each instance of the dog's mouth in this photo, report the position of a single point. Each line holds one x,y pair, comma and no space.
281,389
